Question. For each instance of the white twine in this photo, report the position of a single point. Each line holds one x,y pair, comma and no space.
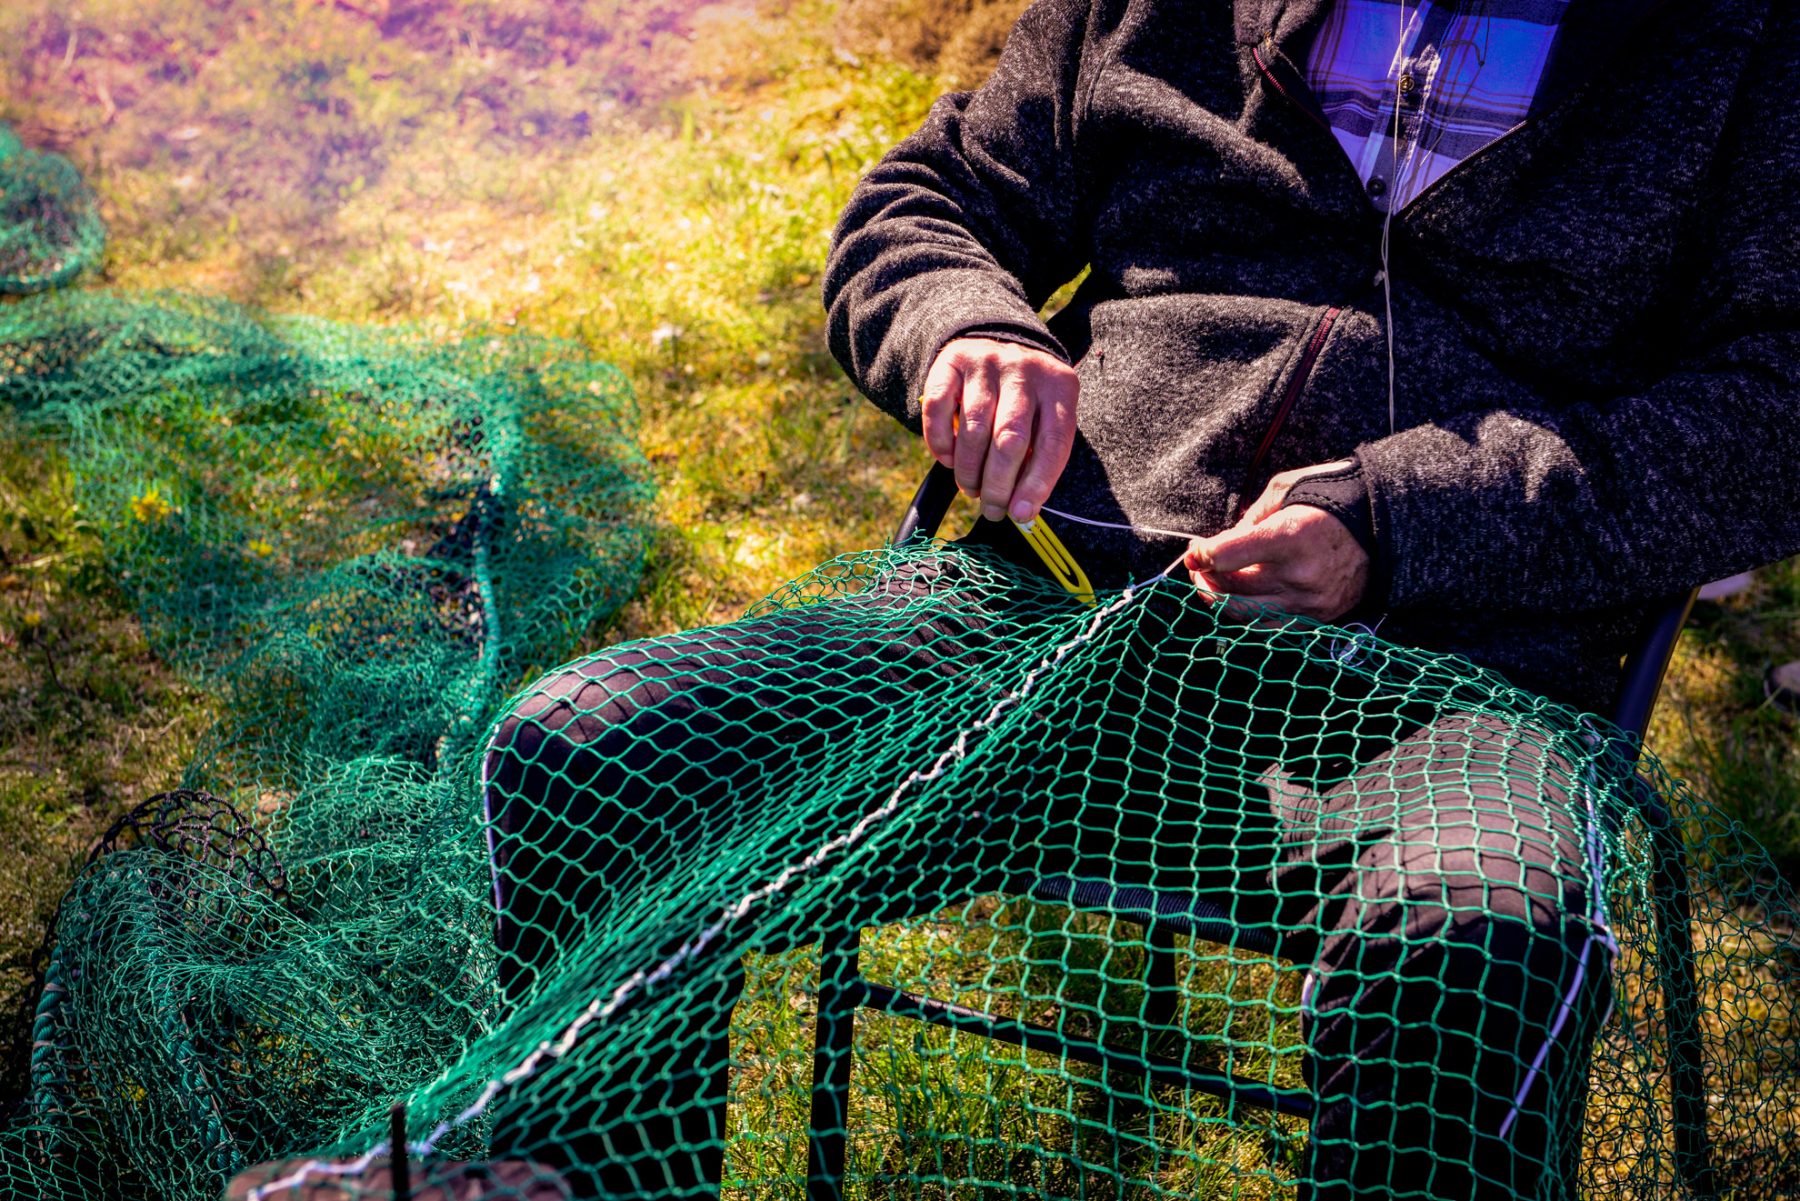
1115,525
1599,931
1385,277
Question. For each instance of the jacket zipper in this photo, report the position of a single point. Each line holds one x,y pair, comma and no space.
1289,398
1269,74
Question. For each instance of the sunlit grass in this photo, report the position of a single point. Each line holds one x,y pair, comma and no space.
1716,726
940,1113
298,158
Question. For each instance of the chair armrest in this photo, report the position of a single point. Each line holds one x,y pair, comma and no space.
1648,661
929,504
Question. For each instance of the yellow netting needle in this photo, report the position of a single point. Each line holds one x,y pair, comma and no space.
1057,558
1048,546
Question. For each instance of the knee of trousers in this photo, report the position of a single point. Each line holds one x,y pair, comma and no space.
1466,838
551,726
1480,899
573,810
1467,881
1498,937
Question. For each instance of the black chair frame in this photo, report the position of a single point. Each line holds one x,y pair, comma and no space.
843,989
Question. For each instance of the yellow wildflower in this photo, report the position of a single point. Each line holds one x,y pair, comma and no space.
151,507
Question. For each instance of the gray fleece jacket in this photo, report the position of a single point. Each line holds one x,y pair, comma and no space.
1596,320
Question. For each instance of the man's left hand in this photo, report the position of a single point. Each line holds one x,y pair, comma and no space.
1299,559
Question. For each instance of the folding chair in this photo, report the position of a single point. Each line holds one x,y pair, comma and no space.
1165,916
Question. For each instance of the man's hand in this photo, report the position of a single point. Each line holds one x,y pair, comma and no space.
1002,416
1299,559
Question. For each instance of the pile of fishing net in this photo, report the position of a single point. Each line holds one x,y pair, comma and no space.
50,228
1286,907
357,542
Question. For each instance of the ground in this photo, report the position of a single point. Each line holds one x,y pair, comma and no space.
653,179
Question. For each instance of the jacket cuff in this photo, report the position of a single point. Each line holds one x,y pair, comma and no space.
963,309
1344,494
1042,339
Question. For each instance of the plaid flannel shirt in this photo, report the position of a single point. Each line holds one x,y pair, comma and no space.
1459,74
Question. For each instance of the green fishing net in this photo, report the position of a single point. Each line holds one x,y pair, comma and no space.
50,229
923,879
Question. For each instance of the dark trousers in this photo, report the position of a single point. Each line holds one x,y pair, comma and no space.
1429,864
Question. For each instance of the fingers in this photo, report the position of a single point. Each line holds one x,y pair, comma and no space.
1002,417
1007,448
1268,543
1243,592
980,396
938,405
1300,559
1259,581
1053,438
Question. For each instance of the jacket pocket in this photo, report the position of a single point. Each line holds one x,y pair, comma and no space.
1290,396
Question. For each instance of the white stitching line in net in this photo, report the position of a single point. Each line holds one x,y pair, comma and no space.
1599,931
598,1011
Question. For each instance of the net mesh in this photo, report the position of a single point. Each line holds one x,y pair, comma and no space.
50,229
923,874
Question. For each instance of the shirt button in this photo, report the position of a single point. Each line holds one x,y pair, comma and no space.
1377,186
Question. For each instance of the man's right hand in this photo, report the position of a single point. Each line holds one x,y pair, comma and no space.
1002,417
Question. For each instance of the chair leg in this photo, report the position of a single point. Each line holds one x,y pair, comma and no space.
1162,998
834,1037
1127,1109
1681,1006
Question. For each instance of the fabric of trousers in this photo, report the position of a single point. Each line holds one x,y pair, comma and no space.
1426,864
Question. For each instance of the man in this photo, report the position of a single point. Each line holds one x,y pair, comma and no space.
1482,322
1593,317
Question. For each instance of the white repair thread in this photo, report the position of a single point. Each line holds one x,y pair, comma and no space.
1385,276
1403,168
1600,931
1351,651
487,813
1118,525
1387,299
599,1010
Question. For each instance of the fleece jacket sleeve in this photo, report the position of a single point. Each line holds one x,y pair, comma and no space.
969,224
1632,497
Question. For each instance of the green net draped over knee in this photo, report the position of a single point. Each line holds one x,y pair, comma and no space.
1256,907
1432,907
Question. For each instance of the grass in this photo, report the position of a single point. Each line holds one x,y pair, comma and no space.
665,204
938,1113
90,721
1717,728
656,181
